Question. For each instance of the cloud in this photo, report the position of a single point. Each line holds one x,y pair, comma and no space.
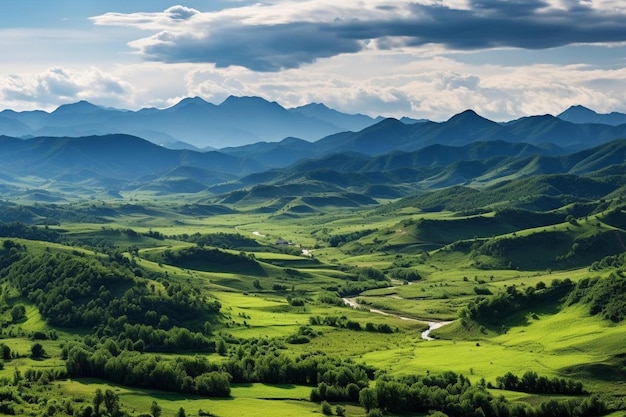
288,34
255,47
59,85
181,12
434,88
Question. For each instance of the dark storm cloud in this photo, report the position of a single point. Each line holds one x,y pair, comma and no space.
490,24
486,24
261,48
527,24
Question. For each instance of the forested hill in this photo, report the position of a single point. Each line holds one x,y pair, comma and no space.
110,156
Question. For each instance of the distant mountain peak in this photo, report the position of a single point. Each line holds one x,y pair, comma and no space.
239,100
582,114
579,106
81,106
251,105
198,101
469,113
317,106
577,110
469,116
385,123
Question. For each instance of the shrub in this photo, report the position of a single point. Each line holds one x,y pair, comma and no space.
375,412
326,408
37,351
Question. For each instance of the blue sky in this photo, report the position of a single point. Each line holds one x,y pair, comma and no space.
426,59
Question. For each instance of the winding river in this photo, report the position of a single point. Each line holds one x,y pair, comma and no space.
432,325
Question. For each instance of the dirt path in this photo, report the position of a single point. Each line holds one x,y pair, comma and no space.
432,325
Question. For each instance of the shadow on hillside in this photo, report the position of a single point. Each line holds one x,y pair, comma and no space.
613,370
523,317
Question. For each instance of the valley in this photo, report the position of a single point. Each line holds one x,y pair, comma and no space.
391,258
387,271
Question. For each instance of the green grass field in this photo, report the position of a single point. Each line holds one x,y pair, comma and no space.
554,340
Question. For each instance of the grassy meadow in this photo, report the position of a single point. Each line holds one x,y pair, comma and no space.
282,290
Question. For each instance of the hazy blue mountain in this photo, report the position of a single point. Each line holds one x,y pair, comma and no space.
404,119
549,133
237,121
29,118
429,160
81,107
392,135
352,122
435,167
581,114
468,127
240,121
13,127
275,154
123,162
177,144
410,120
123,157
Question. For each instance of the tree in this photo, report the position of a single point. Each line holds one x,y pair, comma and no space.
214,384
221,347
18,312
87,412
37,351
155,409
98,399
6,351
375,412
326,409
111,402
181,412
368,398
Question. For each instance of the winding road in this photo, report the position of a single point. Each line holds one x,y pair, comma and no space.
432,325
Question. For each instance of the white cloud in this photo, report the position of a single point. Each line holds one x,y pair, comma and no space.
60,85
420,86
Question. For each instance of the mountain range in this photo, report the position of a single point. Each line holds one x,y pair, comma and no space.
465,128
110,164
195,124
192,123
384,159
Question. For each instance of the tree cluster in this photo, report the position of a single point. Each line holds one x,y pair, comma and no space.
207,259
605,297
343,322
533,383
187,375
74,290
511,300
340,239
452,395
405,274
21,230
220,240
253,361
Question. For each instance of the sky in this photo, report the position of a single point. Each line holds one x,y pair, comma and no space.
423,59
